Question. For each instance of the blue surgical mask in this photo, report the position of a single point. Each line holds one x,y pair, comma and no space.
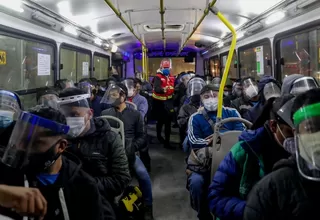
166,71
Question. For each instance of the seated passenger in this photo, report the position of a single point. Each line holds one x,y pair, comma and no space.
296,84
99,148
10,108
145,85
47,97
200,130
236,93
250,96
248,161
268,87
135,138
292,190
34,159
62,84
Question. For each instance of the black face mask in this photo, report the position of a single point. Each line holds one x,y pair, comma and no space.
195,100
40,162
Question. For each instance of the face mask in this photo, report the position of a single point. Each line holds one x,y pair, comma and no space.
117,102
309,148
166,71
251,91
40,162
289,145
76,124
226,93
6,118
130,93
211,104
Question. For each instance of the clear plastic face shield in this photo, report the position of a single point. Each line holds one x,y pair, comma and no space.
33,136
85,87
216,82
285,112
113,96
185,79
209,100
237,89
194,86
78,113
303,84
129,83
50,100
271,90
67,84
307,124
250,88
9,108
165,66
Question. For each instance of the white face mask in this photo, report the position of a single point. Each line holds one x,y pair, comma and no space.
309,148
130,92
210,104
251,91
77,125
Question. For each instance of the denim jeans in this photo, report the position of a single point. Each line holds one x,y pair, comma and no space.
144,181
198,186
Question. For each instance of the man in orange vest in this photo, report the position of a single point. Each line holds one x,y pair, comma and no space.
163,90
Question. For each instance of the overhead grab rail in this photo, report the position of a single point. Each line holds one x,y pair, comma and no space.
118,13
162,11
206,12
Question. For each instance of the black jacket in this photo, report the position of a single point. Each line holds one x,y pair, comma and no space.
179,92
184,114
103,157
135,135
81,194
284,194
242,106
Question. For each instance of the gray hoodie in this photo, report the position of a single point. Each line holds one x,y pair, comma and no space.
288,83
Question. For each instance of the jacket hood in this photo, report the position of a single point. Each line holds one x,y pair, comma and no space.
99,126
290,162
265,80
288,83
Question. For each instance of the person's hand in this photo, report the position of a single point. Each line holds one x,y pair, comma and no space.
25,201
209,139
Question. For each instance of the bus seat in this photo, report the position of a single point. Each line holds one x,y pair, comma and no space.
131,105
119,129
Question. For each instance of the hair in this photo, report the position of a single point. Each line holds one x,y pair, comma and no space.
45,91
311,96
123,88
270,109
137,81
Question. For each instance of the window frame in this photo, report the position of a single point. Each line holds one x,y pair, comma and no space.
252,45
311,26
95,53
26,36
76,49
226,54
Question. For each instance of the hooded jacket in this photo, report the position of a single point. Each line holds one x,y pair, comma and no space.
284,194
247,162
288,83
103,157
74,194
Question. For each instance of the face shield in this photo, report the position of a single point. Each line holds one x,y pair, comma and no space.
307,124
9,108
129,83
209,100
216,82
194,86
285,112
237,89
85,87
303,84
75,109
250,88
30,138
271,90
185,79
66,84
113,96
50,100
139,76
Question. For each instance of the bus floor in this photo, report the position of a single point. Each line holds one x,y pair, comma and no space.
170,196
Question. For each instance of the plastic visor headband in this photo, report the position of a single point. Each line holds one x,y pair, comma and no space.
306,113
71,99
35,120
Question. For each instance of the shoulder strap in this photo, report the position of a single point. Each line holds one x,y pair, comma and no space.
209,120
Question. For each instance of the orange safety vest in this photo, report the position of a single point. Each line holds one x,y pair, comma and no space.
166,81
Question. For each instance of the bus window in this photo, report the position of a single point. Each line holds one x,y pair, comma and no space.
255,61
101,65
83,66
215,66
300,54
25,64
233,71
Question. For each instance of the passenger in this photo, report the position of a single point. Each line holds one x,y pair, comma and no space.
135,138
99,148
134,96
193,91
200,130
10,108
236,93
216,82
113,73
268,87
145,85
147,95
249,98
48,97
62,84
34,158
248,161
162,101
297,84
292,190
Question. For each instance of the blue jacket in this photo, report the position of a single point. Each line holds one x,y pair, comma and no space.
96,106
141,103
199,128
247,162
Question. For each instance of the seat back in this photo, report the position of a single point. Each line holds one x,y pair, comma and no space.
119,129
131,105
223,142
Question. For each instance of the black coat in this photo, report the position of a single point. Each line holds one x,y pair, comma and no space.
81,194
242,106
103,157
284,194
184,114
